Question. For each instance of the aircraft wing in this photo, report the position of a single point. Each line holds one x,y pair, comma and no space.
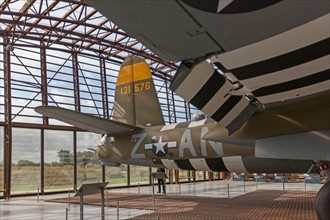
269,52
184,29
86,121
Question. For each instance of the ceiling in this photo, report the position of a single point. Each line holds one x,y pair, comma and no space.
73,26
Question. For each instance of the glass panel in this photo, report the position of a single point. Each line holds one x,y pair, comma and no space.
199,175
209,175
2,110
25,84
116,176
58,160
139,175
26,160
89,168
216,175
60,80
90,85
184,175
1,158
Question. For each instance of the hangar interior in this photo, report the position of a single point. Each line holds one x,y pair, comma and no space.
65,53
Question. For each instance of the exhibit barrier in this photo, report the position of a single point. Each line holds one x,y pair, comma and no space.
117,208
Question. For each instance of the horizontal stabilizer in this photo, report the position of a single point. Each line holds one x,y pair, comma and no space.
86,121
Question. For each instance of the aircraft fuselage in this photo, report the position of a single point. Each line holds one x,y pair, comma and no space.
174,141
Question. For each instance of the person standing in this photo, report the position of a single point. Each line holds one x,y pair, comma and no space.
161,181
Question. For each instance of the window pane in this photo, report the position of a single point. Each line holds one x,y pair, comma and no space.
58,160
184,175
199,175
89,168
25,84
139,175
116,176
26,160
2,91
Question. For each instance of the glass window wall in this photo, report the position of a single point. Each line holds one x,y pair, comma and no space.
58,160
90,85
2,101
199,175
60,80
139,175
116,176
25,160
89,168
58,164
25,84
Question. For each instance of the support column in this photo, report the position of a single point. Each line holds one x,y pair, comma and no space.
170,176
168,102
173,105
187,111
128,175
104,88
176,173
75,70
8,122
76,81
42,161
150,177
44,87
194,175
103,173
210,176
45,121
75,160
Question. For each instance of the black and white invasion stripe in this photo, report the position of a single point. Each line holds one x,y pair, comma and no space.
208,90
286,66
239,164
222,164
225,164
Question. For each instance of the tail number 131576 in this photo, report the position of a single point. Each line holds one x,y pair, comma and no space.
138,87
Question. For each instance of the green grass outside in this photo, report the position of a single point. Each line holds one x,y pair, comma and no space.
26,179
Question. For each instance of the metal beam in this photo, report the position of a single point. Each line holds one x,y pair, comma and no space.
28,25
44,90
75,160
42,161
104,88
76,81
8,120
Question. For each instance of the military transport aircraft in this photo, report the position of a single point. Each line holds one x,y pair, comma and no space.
284,139
258,69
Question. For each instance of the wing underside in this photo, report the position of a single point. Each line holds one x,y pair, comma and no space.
269,53
86,121
259,75
183,29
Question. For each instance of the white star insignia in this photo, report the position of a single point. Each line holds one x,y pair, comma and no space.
160,146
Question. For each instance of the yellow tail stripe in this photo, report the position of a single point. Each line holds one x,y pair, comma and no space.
134,72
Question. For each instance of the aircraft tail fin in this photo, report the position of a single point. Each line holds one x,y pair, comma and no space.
136,101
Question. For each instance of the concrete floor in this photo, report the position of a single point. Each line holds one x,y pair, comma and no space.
29,208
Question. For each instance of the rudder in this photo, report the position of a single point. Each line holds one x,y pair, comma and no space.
136,101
